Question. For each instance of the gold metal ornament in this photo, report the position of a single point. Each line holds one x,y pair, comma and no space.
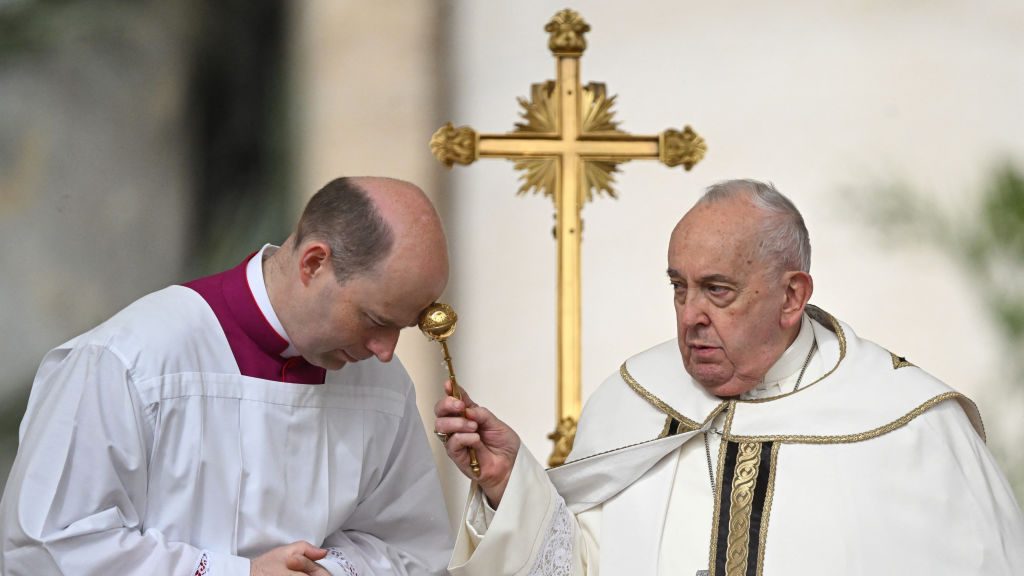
568,147
450,145
437,322
566,29
563,436
598,114
540,111
686,148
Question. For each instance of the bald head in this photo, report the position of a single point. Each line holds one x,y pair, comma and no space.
419,247
365,220
368,256
781,236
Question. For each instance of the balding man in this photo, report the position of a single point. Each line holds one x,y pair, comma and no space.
248,423
766,439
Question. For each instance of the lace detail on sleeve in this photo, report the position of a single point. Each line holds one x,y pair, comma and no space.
555,558
336,556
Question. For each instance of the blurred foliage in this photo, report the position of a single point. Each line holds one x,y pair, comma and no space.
986,241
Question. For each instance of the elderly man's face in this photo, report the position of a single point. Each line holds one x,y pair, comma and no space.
728,303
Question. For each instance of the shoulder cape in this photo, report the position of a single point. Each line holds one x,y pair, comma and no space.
652,406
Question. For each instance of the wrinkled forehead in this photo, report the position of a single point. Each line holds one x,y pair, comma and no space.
726,224
715,239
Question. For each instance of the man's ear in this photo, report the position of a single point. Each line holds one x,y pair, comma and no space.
799,287
313,260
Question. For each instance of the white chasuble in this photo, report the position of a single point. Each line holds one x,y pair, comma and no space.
175,439
871,467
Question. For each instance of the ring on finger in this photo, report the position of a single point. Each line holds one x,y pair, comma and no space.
441,436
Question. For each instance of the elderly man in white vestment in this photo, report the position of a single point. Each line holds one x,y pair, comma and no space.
768,438
253,422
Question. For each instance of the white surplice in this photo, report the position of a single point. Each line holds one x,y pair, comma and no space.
871,467
145,451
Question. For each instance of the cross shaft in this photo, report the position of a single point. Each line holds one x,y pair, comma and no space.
570,146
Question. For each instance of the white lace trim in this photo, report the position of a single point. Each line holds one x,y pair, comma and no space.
338,557
555,558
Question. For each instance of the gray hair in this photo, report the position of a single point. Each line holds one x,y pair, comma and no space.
343,216
784,238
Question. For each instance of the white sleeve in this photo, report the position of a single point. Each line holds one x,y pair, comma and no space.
980,510
479,516
76,497
531,533
400,525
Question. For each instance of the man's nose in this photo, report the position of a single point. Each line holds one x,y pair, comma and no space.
693,311
382,345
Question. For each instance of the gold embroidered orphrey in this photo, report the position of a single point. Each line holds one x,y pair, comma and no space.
569,147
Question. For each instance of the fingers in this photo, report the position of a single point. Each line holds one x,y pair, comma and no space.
464,396
460,394
454,425
307,550
458,447
304,565
452,420
482,415
449,406
294,559
495,467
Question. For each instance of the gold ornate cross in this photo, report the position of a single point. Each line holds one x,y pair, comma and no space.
569,146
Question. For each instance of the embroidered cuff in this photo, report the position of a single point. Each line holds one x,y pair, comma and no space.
217,564
515,532
338,564
556,552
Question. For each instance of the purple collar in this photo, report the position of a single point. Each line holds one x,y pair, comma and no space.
257,347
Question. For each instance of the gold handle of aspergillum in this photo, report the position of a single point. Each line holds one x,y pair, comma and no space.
438,323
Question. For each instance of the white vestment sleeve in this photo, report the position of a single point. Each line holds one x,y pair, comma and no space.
479,516
532,531
76,497
400,526
989,533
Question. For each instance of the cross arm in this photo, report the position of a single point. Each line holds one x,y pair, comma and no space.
463,145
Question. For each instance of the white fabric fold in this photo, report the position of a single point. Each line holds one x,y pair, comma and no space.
881,459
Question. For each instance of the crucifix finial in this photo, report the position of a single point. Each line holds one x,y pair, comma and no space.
567,29
451,145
